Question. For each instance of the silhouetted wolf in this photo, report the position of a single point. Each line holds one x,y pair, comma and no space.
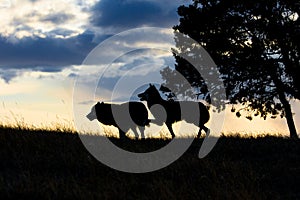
173,110
118,116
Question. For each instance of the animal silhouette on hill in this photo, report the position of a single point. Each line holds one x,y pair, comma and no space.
173,110
125,116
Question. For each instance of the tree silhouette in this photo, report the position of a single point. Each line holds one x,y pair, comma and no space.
255,45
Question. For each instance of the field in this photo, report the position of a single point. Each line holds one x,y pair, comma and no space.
55,165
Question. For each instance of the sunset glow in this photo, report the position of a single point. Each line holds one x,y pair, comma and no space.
43,44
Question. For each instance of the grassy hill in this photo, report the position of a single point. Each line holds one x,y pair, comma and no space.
52,165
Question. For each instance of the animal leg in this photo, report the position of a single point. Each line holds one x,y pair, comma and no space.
135,133
122,134
142,130
171,130
199,133
207,131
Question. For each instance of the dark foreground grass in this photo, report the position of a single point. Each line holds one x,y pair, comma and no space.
55,165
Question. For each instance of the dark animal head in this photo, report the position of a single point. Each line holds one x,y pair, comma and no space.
150,93
93,115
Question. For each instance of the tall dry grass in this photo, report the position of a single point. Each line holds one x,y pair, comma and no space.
17,121
44,164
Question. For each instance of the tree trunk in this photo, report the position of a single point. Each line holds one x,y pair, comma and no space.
287,107
288,115
290,121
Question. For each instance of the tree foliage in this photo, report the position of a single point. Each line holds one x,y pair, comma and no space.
255,45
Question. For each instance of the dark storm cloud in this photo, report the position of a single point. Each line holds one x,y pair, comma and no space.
43,54
52,52
129,14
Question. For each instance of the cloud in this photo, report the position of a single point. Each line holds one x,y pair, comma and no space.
58,18
125,14
45,53
126,61
7,75
28,18
49,36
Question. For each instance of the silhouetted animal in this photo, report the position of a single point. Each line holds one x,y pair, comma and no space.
118,116
173,110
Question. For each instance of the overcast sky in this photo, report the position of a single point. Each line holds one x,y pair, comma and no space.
43,44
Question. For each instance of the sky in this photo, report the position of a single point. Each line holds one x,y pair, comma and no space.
45,45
